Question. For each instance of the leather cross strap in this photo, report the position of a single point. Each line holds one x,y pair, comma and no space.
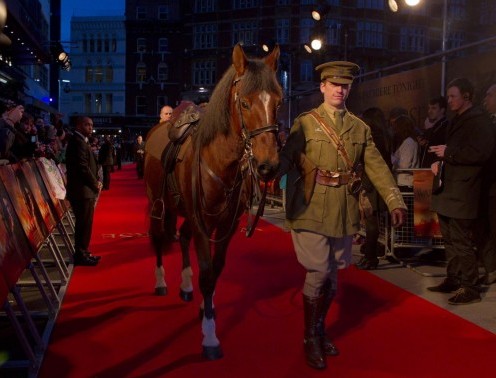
331,134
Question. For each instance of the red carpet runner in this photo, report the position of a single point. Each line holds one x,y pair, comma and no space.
112,326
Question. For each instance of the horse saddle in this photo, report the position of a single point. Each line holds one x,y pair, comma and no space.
178,131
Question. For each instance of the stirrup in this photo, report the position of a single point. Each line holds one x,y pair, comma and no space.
158,207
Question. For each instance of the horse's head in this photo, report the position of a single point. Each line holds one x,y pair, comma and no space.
257,96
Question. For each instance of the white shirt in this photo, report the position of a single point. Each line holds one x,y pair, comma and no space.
405,157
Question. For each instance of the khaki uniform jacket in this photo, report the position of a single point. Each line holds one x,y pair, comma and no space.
332,211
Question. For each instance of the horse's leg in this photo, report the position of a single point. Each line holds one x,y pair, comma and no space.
157,240
186,288
208,281
211,344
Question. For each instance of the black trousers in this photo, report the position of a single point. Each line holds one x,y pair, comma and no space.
460,245
106,169
487,231
84,211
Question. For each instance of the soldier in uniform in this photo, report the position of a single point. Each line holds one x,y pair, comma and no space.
322,189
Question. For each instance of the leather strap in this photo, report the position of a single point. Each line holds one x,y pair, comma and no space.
331,134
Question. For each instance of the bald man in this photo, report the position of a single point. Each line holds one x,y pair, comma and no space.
165,113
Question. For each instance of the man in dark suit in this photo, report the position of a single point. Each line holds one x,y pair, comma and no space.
83,189
469,144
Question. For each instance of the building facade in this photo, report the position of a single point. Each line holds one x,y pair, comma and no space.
96,84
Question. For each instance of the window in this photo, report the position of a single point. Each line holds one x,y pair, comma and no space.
141,45
370,4
161,101
205,6
114,44
141,72
88,77
99,43
333,32
109,106
98,74
412,39
106,43
455,39
98,103
141,105
92,43
162,72
163,12
487,13
204,73
244,4
85,43
282,31
370,35
140,13
205,36
245,32
306,70
306,27
457,9
109,73
163,45
87,102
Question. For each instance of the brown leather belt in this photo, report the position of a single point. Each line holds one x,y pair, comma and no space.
329,178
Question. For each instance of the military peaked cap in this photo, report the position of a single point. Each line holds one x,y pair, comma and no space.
340,72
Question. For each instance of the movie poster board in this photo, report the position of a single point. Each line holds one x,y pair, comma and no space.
15,251
37,187
25,205
426,223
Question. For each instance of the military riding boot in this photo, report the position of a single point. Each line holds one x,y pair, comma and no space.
312,342
327,345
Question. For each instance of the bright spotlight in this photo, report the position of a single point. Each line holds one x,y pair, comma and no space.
316,44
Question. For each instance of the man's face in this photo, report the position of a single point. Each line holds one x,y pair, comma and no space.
335,94
456,102
490,99
86,127
16,113
165,113
435,112
140,139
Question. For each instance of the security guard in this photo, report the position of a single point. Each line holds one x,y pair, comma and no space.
326,151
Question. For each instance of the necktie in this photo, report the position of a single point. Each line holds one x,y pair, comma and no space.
338,119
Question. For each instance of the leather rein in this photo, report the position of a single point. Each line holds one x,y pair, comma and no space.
245,166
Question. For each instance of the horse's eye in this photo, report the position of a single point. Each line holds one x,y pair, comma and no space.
245,104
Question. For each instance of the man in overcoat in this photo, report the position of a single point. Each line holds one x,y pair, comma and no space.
322,201
457,194
83,189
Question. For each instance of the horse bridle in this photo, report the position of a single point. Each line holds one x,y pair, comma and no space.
247,157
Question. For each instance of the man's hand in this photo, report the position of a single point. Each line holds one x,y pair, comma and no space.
398,217
438,150
100,185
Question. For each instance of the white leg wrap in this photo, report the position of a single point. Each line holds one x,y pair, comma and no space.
187,282
160,277
208,330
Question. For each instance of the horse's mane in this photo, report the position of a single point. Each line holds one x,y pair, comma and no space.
216,120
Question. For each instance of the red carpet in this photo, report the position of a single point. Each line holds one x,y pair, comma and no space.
111,325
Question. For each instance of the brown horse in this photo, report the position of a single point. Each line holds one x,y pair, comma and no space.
214,176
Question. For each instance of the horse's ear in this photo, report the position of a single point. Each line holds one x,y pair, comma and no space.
239,59
271,60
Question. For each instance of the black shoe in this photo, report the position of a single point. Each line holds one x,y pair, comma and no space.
367,264
83,260
465,295
93,257
445,287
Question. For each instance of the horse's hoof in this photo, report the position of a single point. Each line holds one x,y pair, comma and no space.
186,296
202,312
212,352
161,291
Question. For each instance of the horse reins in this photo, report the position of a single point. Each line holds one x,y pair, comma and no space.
246,135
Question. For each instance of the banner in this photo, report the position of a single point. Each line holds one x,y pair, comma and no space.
426,223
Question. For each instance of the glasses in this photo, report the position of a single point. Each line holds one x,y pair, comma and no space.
168,113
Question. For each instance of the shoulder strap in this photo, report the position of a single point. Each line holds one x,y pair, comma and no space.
331,134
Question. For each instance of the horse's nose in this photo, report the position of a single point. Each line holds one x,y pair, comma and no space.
266,171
